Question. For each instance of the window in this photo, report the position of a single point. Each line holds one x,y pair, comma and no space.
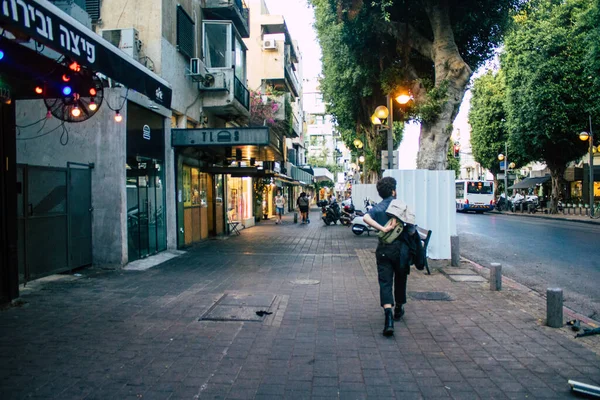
460,190
217,47
240,60
319,99
92,7
185,33
480,187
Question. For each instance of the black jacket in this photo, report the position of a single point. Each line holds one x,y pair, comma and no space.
411,251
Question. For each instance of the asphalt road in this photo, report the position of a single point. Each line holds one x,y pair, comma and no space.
538,253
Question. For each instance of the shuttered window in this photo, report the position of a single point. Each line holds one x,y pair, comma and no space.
185,33
93,9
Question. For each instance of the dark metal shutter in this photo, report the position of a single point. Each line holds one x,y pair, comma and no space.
185,33
93,9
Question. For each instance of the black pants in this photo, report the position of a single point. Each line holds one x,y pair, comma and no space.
392,278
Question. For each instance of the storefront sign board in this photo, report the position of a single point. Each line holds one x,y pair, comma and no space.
47,24
220,137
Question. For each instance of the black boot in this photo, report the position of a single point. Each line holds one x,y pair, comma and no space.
388,329
398,312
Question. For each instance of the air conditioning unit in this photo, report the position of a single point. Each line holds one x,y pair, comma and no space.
269,44
214,81
197,70
127,39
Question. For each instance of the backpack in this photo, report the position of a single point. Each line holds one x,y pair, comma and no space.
303,201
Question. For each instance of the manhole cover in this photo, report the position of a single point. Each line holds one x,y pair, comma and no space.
239,307
247,299
234,313
433,296
305,282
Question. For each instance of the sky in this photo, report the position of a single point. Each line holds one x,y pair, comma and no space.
300,19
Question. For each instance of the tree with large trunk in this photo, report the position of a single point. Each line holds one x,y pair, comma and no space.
549,93
430,47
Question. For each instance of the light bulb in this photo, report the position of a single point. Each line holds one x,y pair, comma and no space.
118,117
48,114
403,98
39,90
67,90
93,106
75,111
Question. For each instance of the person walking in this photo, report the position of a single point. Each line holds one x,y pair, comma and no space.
396,250
279,205
303,203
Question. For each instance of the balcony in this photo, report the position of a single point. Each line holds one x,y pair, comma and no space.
226,96
232,10
296,126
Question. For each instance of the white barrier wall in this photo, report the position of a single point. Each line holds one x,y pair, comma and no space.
431,195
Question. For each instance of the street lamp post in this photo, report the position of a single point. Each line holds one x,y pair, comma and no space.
387,112
590,137
504,157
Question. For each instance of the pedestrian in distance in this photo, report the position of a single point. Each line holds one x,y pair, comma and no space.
279,204
303,203
399,246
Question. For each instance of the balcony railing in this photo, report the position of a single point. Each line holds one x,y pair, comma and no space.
241,93
234,10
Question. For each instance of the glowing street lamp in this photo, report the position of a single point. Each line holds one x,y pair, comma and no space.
590,138
382,113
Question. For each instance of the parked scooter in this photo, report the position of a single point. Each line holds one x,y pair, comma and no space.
358,224
348,214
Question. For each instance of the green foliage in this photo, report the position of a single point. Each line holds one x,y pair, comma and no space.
548,91
366,54
489,129
431,107
452,163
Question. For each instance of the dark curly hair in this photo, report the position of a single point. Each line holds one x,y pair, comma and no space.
385,187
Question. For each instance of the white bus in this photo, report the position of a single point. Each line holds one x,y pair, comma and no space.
475,196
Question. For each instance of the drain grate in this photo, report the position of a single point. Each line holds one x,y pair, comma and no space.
431,296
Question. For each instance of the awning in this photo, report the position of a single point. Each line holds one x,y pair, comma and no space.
322,174
530,182
47,24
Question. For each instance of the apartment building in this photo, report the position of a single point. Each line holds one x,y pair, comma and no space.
275,77
128,126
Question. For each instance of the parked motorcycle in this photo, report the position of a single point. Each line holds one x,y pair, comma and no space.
358,224
329,212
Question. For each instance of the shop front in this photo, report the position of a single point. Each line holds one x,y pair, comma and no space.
232,161
145,169
49,57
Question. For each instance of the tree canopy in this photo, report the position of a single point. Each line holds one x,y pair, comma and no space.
379,47
489,126
549,92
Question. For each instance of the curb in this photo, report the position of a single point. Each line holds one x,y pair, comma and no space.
569,313
581,221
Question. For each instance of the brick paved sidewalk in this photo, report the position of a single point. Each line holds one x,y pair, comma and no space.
137,334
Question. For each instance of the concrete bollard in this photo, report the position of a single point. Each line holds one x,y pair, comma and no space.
495,276
554,307
454,251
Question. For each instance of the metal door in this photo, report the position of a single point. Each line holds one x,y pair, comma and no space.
54,220
79,211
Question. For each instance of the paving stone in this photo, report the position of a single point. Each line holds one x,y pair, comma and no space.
122,334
